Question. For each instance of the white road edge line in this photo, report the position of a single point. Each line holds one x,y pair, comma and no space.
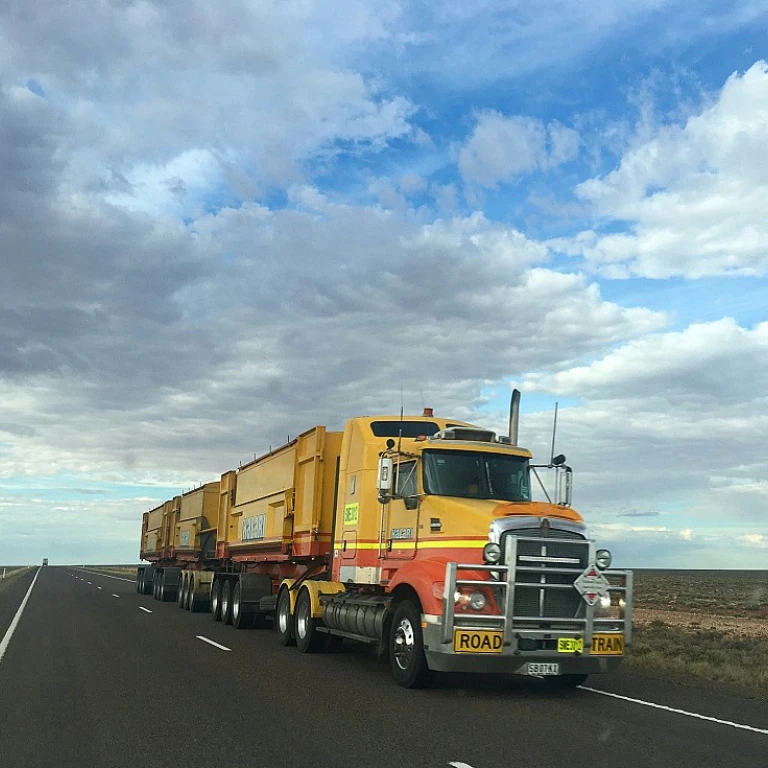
211,642
114,595
146,610
9,632
696,715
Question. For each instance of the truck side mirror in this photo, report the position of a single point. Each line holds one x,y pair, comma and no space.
384,482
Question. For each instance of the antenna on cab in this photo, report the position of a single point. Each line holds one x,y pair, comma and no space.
554,431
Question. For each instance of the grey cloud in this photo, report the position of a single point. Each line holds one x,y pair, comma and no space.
639,513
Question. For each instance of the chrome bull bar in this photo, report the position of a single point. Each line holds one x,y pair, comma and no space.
503,582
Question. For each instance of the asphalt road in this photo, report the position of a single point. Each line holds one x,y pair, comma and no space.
90,679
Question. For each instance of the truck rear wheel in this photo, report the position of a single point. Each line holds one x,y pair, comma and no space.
180,593
226,602
406,647
161,588
284,620
216,600
156,586
308,639
138,580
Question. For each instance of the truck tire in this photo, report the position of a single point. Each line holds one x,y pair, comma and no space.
226,602
216,600
161,588
406,647
182,593
156,586
308,639
139,573
242,614
284,620
193,596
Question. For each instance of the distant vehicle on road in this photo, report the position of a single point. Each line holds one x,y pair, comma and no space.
45,561
417,534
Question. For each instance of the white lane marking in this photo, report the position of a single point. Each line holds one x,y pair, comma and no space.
460,765
211,642
696,715
146,610
90,582
107,576
114,595
9,632
99,587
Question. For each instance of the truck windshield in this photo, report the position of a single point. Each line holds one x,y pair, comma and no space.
475,475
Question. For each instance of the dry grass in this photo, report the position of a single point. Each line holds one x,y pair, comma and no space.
711,625
126,571
12,572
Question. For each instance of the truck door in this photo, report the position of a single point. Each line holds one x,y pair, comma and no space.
402,524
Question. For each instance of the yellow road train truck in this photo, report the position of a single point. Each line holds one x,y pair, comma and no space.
418,534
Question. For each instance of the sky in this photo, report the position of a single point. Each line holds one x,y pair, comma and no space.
222,224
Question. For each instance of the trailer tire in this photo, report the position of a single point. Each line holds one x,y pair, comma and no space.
182,590
161,587
138,580
193,600
406,647
216,600
284,619
226,602
308,639
156,586
243,615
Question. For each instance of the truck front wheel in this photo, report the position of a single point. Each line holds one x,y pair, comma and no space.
406,647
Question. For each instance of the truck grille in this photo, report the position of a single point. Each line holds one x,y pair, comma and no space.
538,601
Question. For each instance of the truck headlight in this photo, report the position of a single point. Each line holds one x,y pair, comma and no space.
603,559
477,601
492,553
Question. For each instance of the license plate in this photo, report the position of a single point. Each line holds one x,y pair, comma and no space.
570,645
477,641
543,669
607,644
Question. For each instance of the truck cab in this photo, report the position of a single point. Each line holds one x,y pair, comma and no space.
442,553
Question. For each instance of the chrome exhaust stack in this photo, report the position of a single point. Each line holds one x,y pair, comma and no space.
514,416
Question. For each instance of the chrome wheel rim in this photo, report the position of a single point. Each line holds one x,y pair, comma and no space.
404,643
302,620
282,615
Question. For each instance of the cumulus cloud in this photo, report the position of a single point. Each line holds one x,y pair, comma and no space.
502,148
693,194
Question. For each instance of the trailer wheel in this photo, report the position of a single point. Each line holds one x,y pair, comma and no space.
308,639
156,586
284,620
138,580
161,588
242,616
216,600
226,602
147,584
193,598
406,647
182,590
